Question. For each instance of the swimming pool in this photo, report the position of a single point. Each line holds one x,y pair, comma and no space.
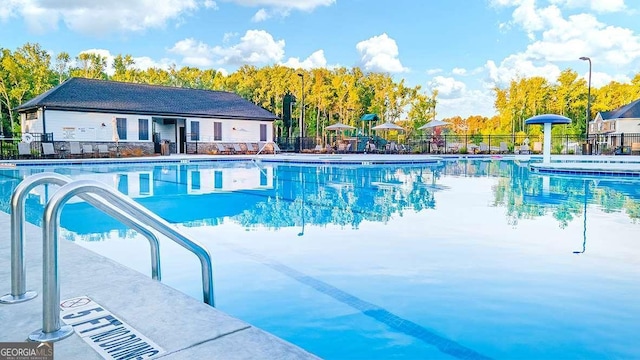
466,259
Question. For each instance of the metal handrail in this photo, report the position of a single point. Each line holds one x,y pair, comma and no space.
18,268
51,329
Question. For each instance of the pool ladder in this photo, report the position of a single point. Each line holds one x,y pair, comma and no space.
111,202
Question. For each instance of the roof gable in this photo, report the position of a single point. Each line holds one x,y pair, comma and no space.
82,94
631,110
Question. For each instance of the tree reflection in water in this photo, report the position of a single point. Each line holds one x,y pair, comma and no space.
290,195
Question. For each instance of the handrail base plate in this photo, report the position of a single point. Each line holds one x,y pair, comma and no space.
14,299
41,336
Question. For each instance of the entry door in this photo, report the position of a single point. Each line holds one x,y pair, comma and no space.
182,139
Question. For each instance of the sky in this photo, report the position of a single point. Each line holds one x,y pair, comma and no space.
462,48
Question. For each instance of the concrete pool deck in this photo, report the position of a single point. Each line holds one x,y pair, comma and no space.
185,328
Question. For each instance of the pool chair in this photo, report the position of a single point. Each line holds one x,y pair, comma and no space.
74,149
237,149
48,150
103,150
87,150
250,148
24,150
537,147
221,149
524,149
635,148
484,148
276,148
503,148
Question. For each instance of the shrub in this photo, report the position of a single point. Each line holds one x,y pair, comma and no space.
463,150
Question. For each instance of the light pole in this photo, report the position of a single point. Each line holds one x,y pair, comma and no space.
301,110
588,148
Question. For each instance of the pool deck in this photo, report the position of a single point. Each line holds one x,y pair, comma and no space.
183,327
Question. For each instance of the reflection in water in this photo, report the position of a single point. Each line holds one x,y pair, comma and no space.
276,196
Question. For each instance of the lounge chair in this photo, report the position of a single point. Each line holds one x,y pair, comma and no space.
221,149
103,150
276,148
503,148
537,147
24,150
48,150
250,148
635,148
74,149
87,150
237,149
484,148
524,149
318,149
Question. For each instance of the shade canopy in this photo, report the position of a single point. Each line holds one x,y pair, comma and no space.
433,123
339,126
388,126
370,117
548,119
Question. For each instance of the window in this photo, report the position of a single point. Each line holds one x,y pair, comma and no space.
217,131
143,129
195,130
195,180
217,179
121,125
263,179
263,132
123,184
145,184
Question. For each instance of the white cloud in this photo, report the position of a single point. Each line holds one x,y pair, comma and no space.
261,15
474,102
194,52
304,5
210,4
140,62
459,71
380,54
596,5
558,39
517,66
315,60
599,79
434,71
447,87
255,47
100,17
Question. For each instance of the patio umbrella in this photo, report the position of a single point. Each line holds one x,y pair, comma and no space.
433,124
388,126
339,127
116,137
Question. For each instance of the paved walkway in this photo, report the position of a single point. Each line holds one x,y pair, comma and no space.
184,327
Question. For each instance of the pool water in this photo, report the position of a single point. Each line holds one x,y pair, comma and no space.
464,259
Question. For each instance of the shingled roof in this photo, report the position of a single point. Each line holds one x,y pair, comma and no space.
629,111
80,94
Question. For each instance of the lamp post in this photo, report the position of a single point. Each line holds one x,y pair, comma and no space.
585,58
301,111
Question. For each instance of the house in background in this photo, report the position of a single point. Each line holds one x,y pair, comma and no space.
141,116
612,128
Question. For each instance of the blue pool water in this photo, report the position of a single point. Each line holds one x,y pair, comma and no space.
466,259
